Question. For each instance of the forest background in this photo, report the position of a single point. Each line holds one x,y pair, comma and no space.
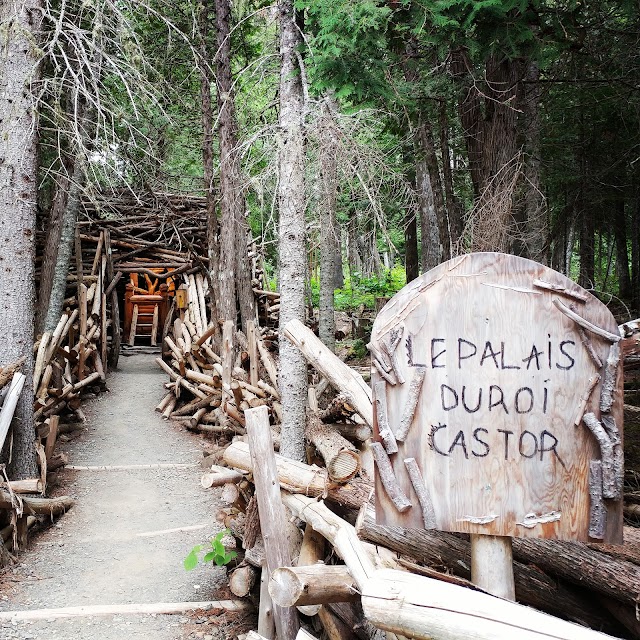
362,142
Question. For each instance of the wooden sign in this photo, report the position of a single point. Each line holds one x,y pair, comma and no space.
498,404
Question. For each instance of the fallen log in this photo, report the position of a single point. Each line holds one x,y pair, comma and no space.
453,553
121,609
424,608
339,374
341,459
298,477
313,584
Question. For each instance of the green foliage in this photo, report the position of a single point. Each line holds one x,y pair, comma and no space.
359,290
218,553
359,349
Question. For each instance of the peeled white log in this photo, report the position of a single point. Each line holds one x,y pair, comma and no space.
313,584
428,609
350,383
9,405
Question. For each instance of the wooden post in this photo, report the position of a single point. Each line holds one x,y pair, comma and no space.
134,325
270,508
253,353
492,565
82,304
266,624
227,351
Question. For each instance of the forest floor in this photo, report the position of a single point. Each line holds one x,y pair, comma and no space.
126,537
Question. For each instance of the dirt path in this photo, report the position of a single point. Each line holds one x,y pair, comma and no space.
122,543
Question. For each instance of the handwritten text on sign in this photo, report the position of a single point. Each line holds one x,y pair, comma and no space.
480,384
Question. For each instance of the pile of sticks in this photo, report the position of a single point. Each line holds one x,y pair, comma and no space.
343,574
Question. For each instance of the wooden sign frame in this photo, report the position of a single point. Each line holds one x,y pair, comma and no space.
497,404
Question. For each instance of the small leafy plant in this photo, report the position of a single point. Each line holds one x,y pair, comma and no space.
218,553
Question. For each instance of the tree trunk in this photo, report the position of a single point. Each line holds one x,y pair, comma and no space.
428,152
411,246
536,231
622,254
52,242
635,250
587,249
454,208
429,238
65,248
234,263
229,198
329,244
20,20
213,248
292,376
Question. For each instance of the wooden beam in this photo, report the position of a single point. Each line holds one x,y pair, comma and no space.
271,510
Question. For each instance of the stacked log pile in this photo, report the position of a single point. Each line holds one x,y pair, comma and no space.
349,576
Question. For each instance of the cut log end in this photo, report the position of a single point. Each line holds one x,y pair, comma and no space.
344,466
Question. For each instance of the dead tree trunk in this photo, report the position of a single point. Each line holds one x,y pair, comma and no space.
235,275
292,255
49,259
20,20
65,248
327,210
213,248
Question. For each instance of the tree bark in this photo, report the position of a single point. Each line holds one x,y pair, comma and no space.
292,376
327,209
65,248
428,152
411,246
20,22
429,238
454,207
50,255
213,248
622,254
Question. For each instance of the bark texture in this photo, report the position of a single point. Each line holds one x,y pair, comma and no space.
19,25
234,272
213,247
50,257
429,239
292,254
328,241
65,248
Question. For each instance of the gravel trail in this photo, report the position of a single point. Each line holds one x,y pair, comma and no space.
124,540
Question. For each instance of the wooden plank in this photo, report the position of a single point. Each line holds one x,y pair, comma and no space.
253,353
154,326
54,422
495,377
134,324
271,510
91,611
227,351
82,305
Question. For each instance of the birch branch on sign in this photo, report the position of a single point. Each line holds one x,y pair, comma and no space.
610,485
386,434
419,486
389,480
597,509
585,324
412,400
609,380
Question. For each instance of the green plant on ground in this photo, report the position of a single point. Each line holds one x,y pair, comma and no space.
218,553
359,349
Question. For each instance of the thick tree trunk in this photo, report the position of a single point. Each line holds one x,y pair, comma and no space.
536,231
635,250
213,248
429,238
428,152
292,376
329,244
65,248
50,256
622,254
411,246
231,202
19,23
454,207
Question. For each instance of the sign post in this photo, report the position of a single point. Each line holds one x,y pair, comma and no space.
497,409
